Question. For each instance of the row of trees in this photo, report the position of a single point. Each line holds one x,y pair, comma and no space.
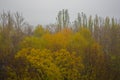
85,50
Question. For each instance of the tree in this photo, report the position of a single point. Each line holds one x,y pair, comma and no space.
63,19
70,64
10,37
57,41
39,31
90,25
42,62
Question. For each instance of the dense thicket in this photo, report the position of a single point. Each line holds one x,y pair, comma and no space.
88,49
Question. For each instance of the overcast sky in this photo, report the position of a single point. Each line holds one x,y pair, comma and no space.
45,11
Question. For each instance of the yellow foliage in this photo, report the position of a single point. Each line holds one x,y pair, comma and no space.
61,55
57,41
33,42
70,65
42,61
39,31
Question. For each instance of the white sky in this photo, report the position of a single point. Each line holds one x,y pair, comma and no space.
45,11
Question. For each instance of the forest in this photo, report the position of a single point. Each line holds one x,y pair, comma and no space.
86,49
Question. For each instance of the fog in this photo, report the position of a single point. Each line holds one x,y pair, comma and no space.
45,11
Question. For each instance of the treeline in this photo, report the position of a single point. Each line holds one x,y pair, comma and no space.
88,49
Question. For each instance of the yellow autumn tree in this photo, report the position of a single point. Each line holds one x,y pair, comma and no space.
42,62
70,64
39,31
58,40
33,42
